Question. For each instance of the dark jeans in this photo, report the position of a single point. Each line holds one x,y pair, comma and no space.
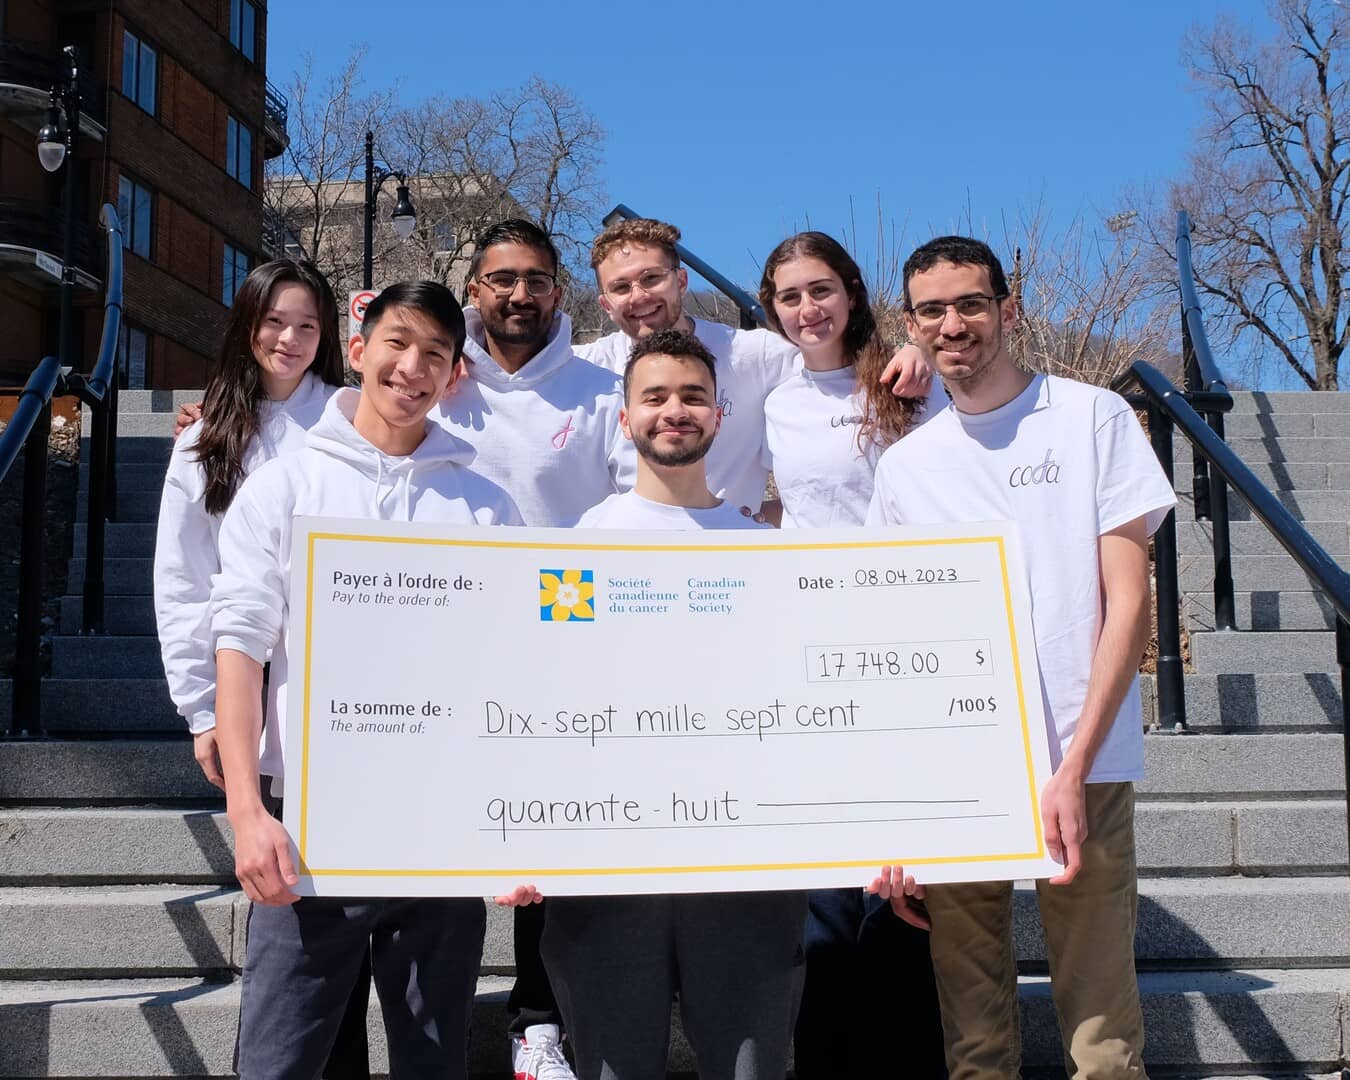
869,992
302,963
735,959
532,1000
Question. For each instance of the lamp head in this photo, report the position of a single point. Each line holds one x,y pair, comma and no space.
51,142
404,217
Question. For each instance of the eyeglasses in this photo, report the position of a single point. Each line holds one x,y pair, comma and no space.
503,282
969,308
648,281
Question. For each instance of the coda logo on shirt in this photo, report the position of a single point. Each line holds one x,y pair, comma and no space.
844,421
724,404
1047,472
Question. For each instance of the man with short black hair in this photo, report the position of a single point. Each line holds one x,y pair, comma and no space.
735,958
1070,464
304,954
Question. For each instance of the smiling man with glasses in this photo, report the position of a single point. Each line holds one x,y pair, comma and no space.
545,425
1071,465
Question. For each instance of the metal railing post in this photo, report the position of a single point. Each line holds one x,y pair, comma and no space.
1343,658
99,442
1225,607
27,688
1171,694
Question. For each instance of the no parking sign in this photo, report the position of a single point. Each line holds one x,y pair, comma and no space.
357,302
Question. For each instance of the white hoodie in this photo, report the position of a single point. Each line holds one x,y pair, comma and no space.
336,474
750,364
549,434
185,547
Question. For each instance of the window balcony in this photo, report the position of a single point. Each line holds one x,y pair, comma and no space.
26,77
31,242
275,109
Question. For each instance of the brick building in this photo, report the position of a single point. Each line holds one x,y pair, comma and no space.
179,121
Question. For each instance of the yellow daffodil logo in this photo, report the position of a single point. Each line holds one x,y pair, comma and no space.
566,595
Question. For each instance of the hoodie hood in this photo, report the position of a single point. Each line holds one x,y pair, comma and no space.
555,353
393,479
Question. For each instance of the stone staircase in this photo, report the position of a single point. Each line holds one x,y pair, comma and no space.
121,930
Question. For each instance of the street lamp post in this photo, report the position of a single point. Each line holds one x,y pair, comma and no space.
56,144
404,217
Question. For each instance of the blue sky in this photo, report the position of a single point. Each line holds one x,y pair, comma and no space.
741,122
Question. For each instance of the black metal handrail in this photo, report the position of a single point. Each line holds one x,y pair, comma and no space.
1168,407
30,428
752,315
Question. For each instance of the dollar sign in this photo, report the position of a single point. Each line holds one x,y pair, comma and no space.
979,657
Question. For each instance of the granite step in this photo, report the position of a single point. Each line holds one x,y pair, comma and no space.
85,706
1325,449
121,614
1215,767
107,658
1321,505
1251,573
132,506
121,539
1253,538
1283,609
121,576
151,845
131,475
136,449
1259,1021
1256,702
1296,651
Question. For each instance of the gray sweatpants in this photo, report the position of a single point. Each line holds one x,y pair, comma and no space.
303,960
735,959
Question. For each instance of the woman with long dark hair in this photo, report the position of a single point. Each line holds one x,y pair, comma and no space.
827,425
279,362
867,972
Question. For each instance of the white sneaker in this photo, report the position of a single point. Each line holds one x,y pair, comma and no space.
538,1054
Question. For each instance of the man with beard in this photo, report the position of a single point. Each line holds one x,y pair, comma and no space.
545,425
736,959
1070,464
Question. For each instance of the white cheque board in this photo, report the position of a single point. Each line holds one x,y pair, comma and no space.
616,712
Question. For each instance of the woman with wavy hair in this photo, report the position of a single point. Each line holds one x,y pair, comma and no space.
829,423
279,362
867,972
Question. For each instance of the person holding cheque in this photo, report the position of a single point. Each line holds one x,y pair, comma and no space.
616,962
372,454
825,428
1070,464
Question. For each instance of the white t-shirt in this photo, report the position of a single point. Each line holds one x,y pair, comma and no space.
1068,462
631,511
811,444
750,363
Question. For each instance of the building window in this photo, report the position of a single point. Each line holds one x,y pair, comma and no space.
244,27
140,64
236,269
239,151
133,357
136,208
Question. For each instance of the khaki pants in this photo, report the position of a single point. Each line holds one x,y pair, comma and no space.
1089,936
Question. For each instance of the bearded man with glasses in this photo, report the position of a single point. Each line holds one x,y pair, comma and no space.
1071,465
545,425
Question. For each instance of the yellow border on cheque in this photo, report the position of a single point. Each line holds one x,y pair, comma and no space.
622,871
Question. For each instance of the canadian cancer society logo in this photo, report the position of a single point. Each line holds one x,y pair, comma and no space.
566,595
